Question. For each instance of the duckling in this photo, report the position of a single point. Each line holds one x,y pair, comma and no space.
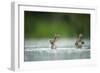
53,41
79,42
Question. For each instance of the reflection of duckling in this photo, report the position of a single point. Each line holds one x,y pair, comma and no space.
53,41
79,41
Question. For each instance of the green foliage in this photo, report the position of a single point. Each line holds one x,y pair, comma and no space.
46,24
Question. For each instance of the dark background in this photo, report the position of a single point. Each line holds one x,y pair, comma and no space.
46,24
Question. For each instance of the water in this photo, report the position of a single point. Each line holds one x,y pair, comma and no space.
39,50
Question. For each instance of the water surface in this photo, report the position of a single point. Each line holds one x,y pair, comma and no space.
39,50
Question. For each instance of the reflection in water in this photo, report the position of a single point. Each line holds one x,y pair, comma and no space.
39,50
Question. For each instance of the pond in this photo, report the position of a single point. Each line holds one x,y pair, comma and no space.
40,50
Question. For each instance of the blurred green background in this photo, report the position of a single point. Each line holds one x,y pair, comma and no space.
46,24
